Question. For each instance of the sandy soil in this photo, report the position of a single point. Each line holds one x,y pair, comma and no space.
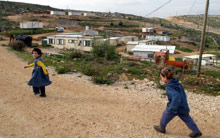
76,108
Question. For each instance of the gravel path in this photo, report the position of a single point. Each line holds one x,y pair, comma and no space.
77,108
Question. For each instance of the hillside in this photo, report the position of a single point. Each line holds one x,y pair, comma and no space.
10,8
213,20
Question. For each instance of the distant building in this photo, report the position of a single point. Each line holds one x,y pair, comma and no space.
131,44
81,41
147,30
147,51
75,13
31,25
158,38
72,41
89,14
206,59
57,13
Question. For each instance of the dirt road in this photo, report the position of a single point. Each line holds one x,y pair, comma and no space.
76,108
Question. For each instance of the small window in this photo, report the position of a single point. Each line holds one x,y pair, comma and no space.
51,41
87,43
60,41
72,41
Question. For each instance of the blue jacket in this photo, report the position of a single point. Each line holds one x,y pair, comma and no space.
39,79
177,98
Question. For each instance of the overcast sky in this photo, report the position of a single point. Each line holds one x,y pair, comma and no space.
136,7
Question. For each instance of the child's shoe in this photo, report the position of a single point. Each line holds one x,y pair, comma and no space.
195,135
36,93
43,96
159,129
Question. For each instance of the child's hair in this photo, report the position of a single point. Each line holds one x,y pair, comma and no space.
38,51
167,72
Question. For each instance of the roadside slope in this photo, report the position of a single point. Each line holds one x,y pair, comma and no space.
77,108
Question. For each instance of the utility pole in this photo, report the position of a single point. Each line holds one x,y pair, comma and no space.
203,39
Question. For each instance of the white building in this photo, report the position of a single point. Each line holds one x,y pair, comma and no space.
206,59
31,25
131,44
147,30
147,51
75,13
158,38
89,14
73,41
57,13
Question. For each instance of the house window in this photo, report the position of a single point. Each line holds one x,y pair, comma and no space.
60,41
72,41
87,43
51,41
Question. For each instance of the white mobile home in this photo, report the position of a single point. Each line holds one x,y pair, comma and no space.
31,25
158,38
147,30
57,13
206,59
147,51
89,14
72,41
131,44
75,13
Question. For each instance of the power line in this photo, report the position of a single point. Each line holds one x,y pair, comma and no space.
158,8
192,7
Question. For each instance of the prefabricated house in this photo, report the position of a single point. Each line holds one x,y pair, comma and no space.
206,59
158,38
31,25
75,13
131,44
57,13
72,41
147,51
147,30
89,14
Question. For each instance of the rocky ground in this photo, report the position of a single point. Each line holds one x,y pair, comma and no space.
77,108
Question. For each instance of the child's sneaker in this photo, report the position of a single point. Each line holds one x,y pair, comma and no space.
159,129
36,93
195,135
43,96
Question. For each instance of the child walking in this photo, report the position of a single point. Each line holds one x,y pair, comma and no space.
40,77
177,104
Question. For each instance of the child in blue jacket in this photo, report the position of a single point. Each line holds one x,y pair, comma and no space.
40,77
177,104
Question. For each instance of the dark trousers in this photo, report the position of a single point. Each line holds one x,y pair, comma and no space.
40,90
186,118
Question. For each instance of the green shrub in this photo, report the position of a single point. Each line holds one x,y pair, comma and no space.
102,80
104,50
76,54
62,70
215,74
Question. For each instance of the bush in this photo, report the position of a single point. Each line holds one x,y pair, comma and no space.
90,69
17,45
62,70
104,50
76,54
102,80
